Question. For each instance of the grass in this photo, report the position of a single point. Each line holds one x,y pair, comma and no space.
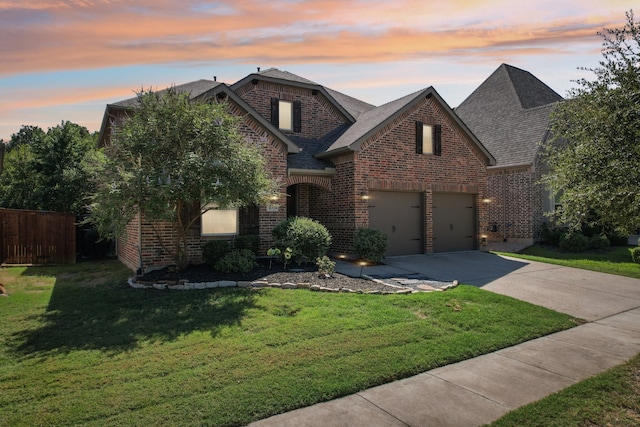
607,399
80,348
616,260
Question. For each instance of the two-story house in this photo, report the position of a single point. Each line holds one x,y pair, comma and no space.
410,168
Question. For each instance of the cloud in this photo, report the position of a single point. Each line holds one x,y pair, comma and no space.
94,34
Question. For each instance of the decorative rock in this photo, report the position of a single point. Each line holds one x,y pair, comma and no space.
274,285
376,292
346,290
159,286
404,291
455,283
245,284
182,281
259,284
187,286
426,288
200,285
289,285
303,285
176,287
211,285
314,287
226,283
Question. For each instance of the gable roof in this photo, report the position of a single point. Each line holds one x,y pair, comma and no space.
350,107
370,121
510,113
202,89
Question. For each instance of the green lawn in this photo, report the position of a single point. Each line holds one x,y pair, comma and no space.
80,348
608,399
616,260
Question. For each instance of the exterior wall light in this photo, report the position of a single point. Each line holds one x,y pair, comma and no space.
486,200
364,195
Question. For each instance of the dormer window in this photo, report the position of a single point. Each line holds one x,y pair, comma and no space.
428,139
286,115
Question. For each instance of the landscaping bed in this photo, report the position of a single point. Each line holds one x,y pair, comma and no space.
266,271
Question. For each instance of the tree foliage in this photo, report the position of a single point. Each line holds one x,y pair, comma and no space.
595,158
169,160
48,171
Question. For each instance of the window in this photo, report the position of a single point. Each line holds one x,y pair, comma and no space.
428,139
286,115
216,221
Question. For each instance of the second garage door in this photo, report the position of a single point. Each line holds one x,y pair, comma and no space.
399,216
453,222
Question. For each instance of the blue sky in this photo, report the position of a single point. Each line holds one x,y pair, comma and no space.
66,59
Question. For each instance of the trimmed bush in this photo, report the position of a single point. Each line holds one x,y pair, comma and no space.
236,261
551,233
308,239
635,255
213,250
618,239
369,244
326,267
599,242
248,241
572,241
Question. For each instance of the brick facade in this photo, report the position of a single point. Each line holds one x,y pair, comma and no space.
385,160
516,208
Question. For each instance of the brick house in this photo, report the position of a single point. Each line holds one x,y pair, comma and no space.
510,113
410,168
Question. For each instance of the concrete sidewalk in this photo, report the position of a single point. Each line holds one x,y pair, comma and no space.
480,390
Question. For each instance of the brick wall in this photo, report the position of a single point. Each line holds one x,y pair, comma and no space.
388,161
515,200
319,116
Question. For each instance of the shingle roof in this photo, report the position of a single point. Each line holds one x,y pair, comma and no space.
369,120
509,113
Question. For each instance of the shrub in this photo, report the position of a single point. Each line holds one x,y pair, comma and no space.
370,245
599,242
635,255
236,261
618,239
326,267
248,241
551,233
572,241
308,239
213,250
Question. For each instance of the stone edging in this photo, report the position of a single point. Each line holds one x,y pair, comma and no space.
185,285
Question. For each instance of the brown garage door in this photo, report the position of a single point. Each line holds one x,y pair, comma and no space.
399,216
454,218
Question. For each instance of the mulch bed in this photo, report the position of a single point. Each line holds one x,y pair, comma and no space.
274,273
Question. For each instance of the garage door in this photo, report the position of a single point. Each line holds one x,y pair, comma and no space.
399,216
454,218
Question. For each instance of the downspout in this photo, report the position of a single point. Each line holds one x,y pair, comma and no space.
504,206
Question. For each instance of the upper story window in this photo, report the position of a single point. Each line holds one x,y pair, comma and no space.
286,115
428,139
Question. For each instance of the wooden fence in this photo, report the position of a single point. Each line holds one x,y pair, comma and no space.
36,237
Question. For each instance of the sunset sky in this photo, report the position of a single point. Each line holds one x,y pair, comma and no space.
66,59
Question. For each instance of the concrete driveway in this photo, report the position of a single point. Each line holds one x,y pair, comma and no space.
580,293
479,390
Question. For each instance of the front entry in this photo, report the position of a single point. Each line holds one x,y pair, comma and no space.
454,218
399,216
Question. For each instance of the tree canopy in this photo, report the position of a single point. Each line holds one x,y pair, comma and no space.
48,170
595,156
169,160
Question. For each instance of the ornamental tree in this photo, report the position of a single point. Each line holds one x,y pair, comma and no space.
595,156
169,160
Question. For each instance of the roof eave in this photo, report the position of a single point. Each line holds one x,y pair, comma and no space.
309,86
